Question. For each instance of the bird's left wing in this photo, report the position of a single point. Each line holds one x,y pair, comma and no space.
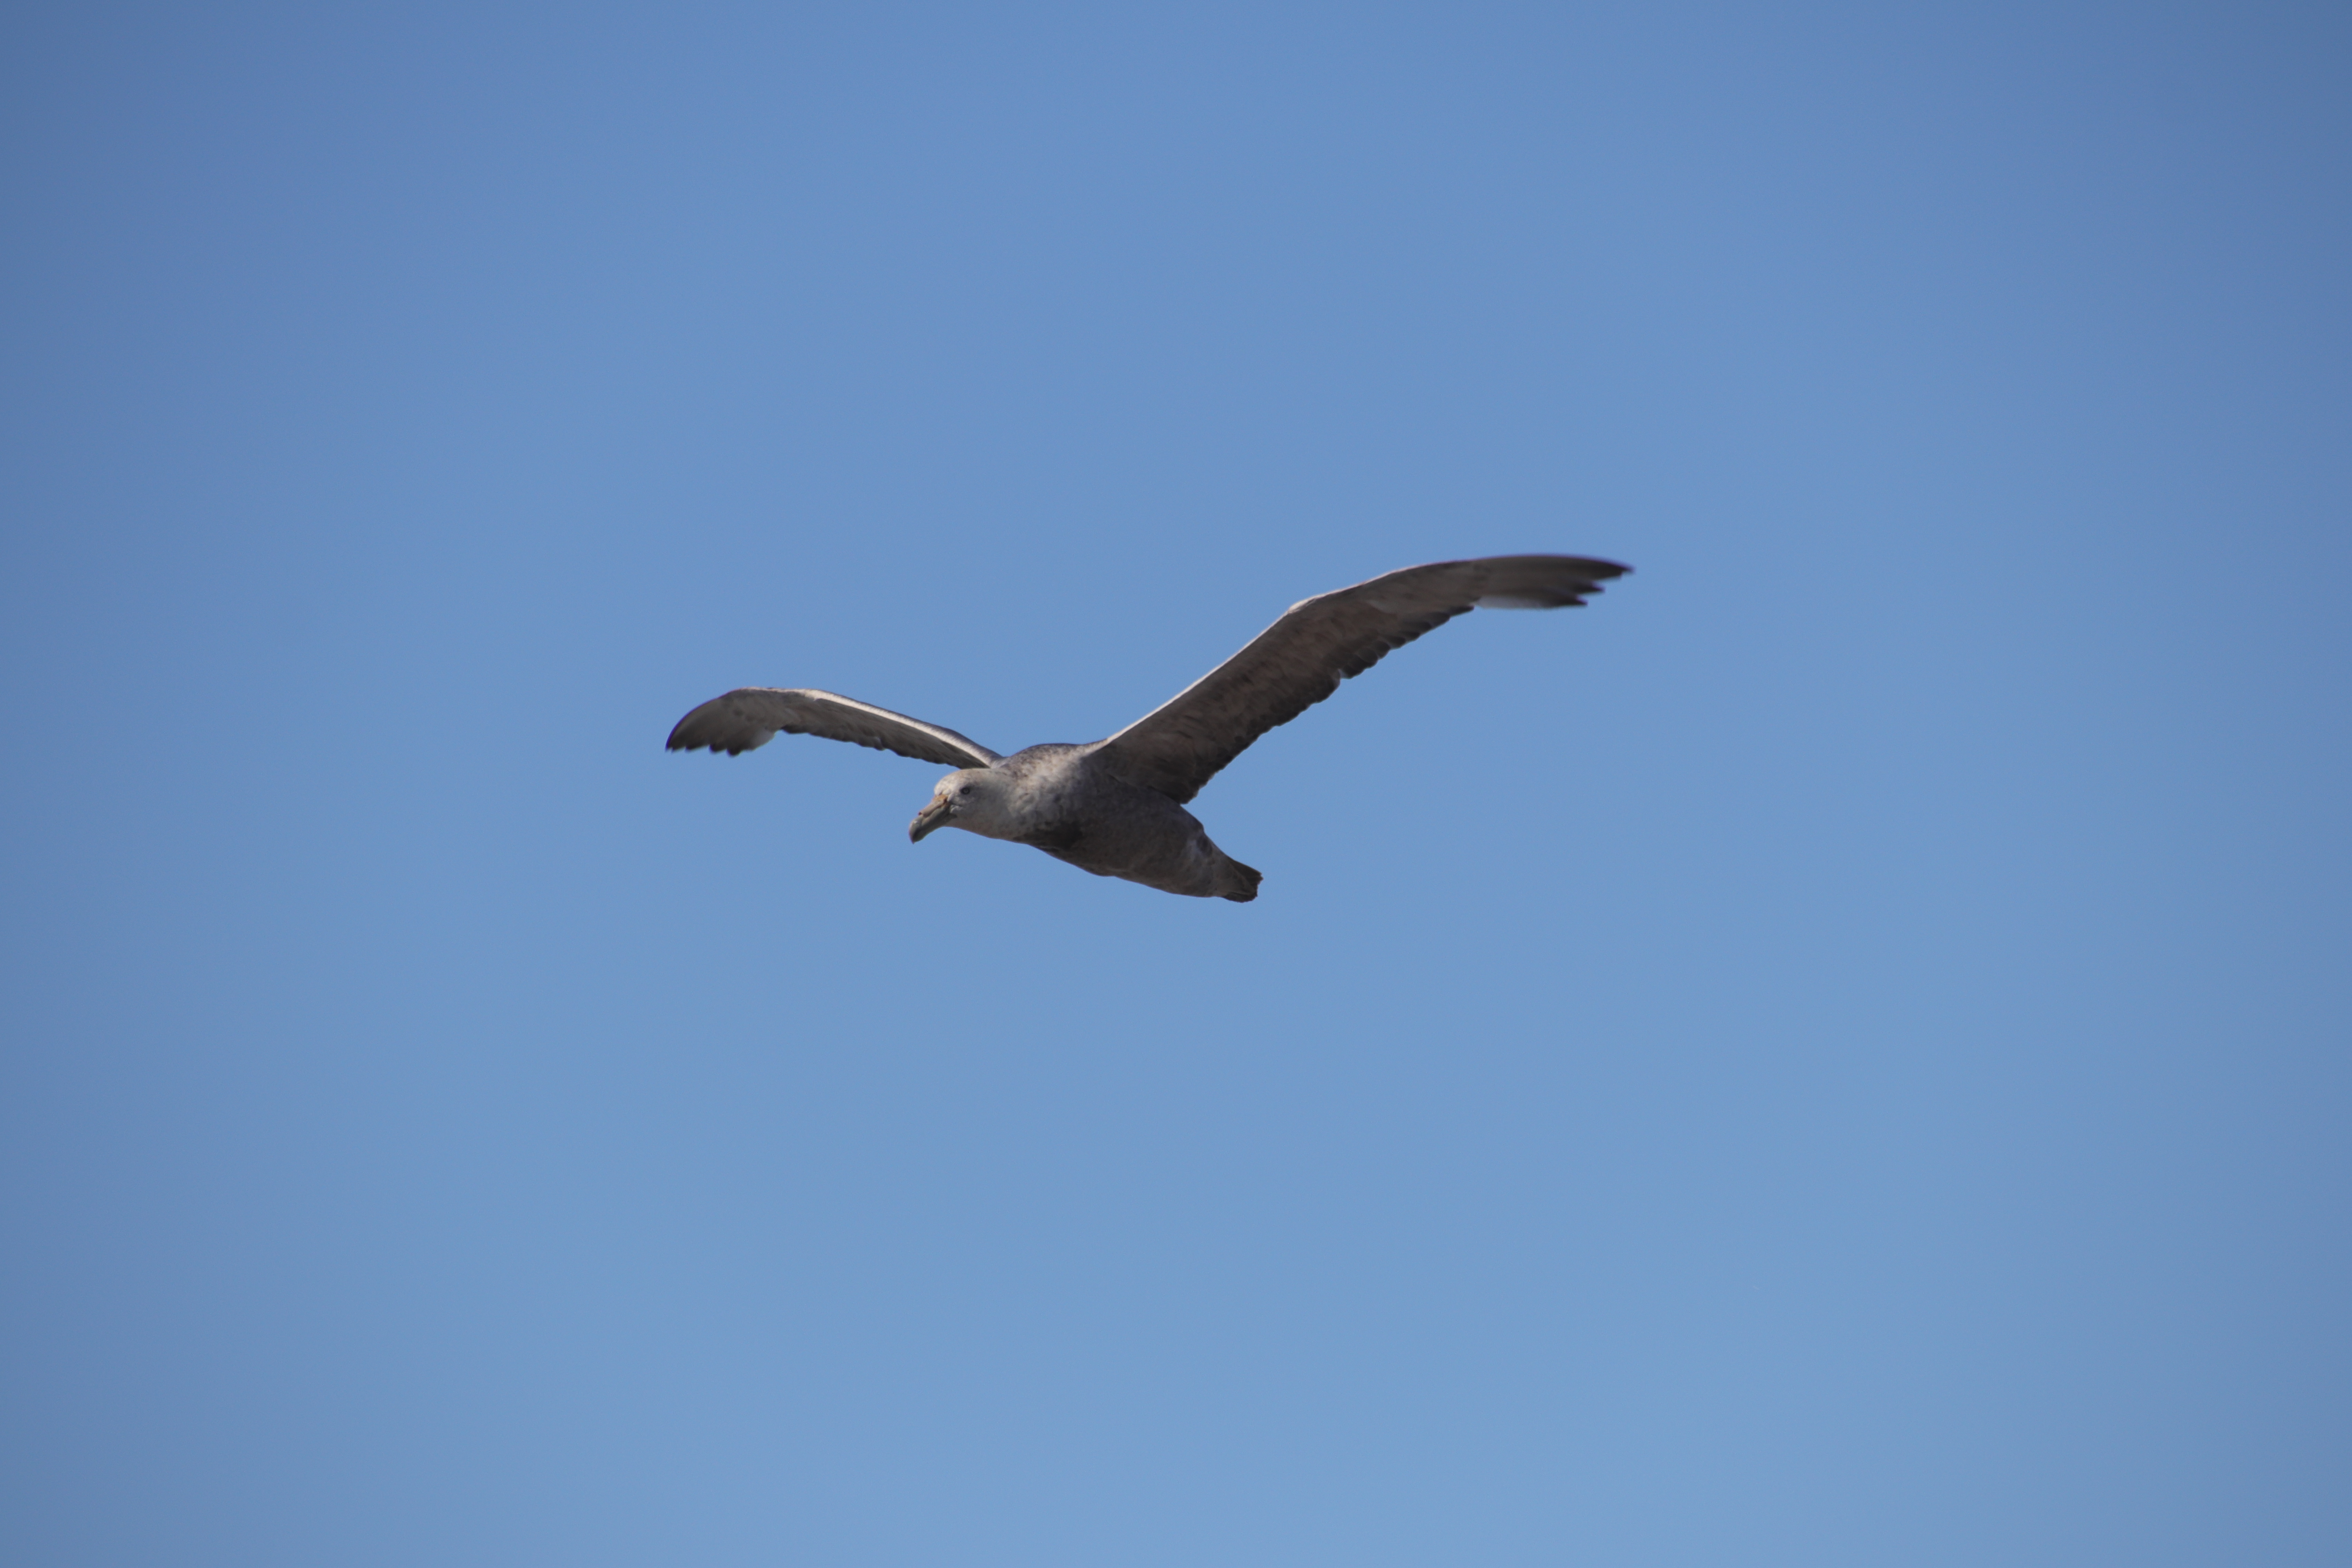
749,717
1301,659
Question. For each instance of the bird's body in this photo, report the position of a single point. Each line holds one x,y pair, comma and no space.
1116,808
1059,799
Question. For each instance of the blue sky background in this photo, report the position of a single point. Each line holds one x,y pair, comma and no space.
1835,1054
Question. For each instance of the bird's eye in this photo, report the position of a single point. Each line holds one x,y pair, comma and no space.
965,790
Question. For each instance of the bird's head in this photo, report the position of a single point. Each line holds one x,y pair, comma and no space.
969,799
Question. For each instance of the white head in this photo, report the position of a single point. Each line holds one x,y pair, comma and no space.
971,798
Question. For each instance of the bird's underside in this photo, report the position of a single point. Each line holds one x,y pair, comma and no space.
1116,808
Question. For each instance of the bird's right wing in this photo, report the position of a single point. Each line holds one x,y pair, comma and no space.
748,717
1301,659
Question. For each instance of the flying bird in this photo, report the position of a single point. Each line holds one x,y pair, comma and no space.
1116,808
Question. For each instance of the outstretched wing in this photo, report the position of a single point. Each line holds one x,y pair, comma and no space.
1301,659
748,717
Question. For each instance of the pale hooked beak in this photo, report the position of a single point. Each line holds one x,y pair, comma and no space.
931,817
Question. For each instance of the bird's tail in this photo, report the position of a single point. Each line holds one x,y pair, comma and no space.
1237,882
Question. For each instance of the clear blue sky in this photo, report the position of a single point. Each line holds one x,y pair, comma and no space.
1839,1053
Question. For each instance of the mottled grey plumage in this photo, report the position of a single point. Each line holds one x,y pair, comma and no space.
1116,808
